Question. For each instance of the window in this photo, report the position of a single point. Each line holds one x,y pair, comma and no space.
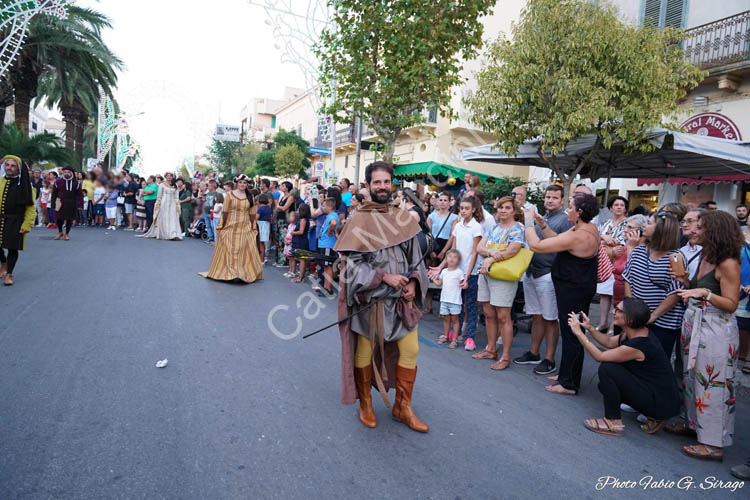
663,13
34,126
299,130
273,121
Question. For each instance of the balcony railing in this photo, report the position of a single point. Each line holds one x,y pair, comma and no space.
343,136
721,42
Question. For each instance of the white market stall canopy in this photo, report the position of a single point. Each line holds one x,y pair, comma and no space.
677,155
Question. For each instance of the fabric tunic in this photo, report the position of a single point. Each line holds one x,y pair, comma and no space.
236,254
70,193
14,215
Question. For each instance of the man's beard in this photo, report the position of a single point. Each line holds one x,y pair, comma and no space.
67,177
382,196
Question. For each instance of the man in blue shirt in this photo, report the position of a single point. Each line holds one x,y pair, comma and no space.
538,289
346,196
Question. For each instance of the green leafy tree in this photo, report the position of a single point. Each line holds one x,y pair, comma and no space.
387,61
223,155
71,52
289,161
40,148
503,186
573,69
265,163
246,157
285,137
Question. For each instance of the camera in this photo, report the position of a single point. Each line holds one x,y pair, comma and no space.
580,317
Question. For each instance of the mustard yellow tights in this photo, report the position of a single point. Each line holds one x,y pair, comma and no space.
408,348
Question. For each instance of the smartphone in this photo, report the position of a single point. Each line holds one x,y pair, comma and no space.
675,262
580,317
315,203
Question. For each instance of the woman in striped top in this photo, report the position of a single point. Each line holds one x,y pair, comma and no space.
647,277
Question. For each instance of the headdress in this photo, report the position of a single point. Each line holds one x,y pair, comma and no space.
23,179
242,177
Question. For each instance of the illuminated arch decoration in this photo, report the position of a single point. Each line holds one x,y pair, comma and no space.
297,25
107,122
15,16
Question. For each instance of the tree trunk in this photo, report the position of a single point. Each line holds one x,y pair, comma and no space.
6,99
75,117
25,83
68,112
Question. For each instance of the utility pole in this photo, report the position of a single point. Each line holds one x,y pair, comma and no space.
358,138
333,145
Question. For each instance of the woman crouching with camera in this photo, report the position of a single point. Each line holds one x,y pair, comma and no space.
634,370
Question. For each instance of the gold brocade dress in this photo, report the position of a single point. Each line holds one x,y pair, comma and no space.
236,255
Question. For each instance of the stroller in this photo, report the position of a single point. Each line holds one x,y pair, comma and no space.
199,231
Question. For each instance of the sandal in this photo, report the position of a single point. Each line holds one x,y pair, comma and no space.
454,343
681,429
608,428
703,452
297,280
443,339
652,426
485,354
501,365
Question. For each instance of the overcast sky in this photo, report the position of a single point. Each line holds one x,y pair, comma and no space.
189,65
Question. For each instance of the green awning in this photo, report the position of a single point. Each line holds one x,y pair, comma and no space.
441,171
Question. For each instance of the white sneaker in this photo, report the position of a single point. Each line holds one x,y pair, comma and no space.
627,408
113,228
642,418
129,229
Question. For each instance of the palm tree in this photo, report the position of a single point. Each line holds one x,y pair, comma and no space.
72,51
41,147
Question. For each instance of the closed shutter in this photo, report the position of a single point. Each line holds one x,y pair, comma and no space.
673,16
652,13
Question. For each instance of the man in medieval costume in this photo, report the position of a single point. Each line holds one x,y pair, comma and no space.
383,268
17,213
67,198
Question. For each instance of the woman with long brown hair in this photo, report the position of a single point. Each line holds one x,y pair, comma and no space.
710,338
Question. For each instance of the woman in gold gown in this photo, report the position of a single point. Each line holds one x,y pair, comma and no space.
236,255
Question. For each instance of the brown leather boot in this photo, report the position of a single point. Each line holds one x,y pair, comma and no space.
402,407
8,281
363,379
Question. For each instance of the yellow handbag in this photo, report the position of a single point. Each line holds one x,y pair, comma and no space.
510,269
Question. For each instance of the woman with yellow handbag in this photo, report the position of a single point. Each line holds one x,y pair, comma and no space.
506,261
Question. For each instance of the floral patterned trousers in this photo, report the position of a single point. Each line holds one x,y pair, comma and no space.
709,354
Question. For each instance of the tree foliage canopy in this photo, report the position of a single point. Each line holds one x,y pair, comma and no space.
288,161
573,69
388,60
41,147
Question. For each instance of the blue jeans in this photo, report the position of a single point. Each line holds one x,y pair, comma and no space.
469,298
209,227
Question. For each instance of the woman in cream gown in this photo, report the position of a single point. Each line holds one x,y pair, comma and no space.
166,224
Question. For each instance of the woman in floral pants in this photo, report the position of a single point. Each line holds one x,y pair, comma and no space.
710,338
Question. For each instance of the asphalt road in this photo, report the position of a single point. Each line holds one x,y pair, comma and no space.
239,413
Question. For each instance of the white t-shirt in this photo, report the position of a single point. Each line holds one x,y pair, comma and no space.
451,289
218,207
465,234
692,258
488,223
98,193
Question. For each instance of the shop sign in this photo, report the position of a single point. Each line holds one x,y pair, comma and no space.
712,125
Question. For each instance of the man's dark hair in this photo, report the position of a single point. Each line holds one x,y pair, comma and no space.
637,312
557,188
375,166
265,182
275,184
586,205
213,183
344,179
335,193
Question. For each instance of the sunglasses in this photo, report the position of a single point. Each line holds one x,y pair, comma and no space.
664,215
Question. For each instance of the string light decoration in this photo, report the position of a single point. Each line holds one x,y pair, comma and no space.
126,147
107,122
14,21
